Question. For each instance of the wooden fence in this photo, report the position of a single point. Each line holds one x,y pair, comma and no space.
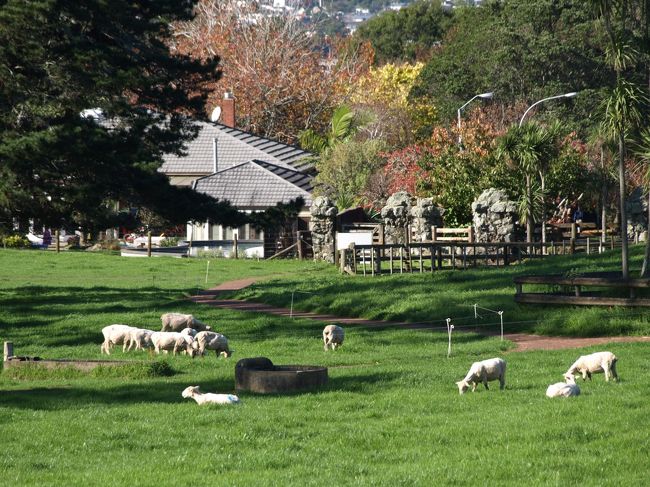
432,256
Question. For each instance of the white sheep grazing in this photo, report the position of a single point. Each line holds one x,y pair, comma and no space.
139,338
333,336
568,388
114,335
491,369
189,331
209,398
164,340
211,340
595,363
178,321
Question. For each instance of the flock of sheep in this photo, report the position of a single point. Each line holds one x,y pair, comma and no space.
184,333
495,368
179,333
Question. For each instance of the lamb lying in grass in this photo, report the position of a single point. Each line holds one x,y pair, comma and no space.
487,370
209,398
178,321
333,336
593,364
115,335
568,388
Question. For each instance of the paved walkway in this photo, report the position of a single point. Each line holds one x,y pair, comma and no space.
523,341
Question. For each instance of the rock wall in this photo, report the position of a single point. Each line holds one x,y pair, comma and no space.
636,207
323,228
495,217
403,211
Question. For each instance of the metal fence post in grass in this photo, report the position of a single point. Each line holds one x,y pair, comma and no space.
207,270
475,312
450,327
291,309
501,317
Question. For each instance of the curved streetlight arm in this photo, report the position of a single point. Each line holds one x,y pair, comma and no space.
480,95
566,95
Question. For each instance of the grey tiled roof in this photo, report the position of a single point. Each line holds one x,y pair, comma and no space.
255,185
233,148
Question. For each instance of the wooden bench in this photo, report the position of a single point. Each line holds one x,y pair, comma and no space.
578,283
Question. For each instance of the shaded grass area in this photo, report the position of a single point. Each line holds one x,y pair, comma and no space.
433,297
390,414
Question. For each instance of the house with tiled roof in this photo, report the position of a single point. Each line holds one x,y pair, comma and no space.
252,172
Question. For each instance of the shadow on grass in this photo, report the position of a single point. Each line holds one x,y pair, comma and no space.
59,398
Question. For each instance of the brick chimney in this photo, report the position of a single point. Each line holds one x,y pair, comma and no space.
228,109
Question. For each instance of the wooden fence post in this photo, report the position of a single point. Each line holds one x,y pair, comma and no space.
149,244
8,351
235,246
299,237
434,233
470,234
58,244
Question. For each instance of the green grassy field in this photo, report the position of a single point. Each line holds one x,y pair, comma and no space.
390,415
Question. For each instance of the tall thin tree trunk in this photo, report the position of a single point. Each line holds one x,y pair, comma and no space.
529,210
543,180
603,210
623,221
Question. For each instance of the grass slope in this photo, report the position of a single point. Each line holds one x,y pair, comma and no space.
433,297
390,415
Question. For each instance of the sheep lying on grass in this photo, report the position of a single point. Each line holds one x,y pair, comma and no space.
333,336
595,363
487,370
178,321
173,341
210,340
115,335
564,389
209,398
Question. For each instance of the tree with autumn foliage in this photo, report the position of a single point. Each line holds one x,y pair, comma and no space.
284,78
382,94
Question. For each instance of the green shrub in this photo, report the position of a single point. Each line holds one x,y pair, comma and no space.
169,241
16,242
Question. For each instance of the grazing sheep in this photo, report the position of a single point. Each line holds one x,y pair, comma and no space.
595,363
140,338
164,340
333,336
178,321
564,389
491,369
209,398
114,335
211,340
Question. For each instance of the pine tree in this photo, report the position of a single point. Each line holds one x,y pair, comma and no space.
59,58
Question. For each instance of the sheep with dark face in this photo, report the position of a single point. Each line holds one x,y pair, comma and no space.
594,364
484,371
178,321
333,336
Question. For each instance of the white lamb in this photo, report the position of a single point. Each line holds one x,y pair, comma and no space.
209,398
568,388
487,370
210,340
178,321
114,335
163,340
333,336
595,363
138,338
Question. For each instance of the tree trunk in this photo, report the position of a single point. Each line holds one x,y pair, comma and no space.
603,214
529,210
543,180
623,220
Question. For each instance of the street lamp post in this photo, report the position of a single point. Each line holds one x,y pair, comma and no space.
484,96
566,95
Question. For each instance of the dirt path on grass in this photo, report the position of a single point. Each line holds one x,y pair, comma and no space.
523,341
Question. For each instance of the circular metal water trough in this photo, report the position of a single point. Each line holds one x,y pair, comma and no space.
260,375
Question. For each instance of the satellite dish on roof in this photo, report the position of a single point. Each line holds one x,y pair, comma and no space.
216,114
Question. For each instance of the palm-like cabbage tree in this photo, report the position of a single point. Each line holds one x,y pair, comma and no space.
530,148
342,128
642,151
